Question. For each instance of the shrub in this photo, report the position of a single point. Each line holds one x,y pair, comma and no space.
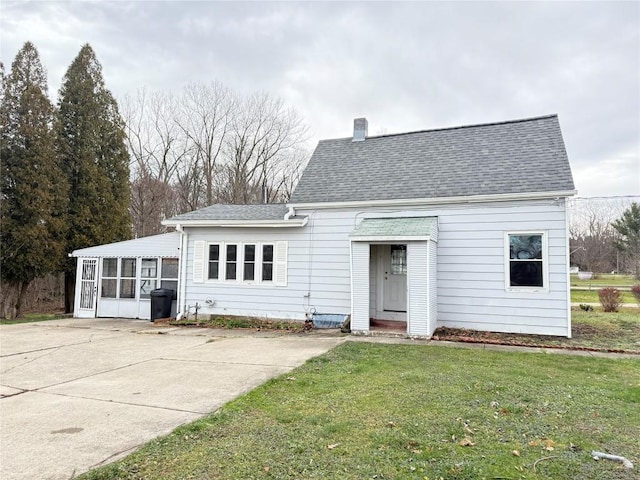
635,290
610,299
586,307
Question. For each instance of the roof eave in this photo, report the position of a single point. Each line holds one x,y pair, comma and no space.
298,222
501,197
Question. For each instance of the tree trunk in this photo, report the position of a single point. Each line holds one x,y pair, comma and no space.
69,291
22,289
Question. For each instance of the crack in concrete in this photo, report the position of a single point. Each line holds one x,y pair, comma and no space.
120,402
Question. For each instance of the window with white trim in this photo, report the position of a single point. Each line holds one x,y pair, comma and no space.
526,261
249,262
240,263
148,276
267,263
214,261
169,274
231,263
109,278
128,278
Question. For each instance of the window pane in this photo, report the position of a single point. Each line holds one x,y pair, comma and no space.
170,284
267,253
128,267
231,271
213,271
214,252
149,268
249,253
525,247
146,286
267,272
526,274
232,253
127,288
109,267
169,268
398,259
249,271
109,287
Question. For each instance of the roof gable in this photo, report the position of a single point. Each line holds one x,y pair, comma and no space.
515,157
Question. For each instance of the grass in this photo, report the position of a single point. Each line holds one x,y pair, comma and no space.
605,280
594,330
230,321
31,317
591,296
365,411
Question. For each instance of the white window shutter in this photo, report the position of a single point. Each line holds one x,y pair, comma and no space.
280,264
198,261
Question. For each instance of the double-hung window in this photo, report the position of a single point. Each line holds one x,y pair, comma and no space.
249,264
109,278
267,263
169,274
214,261
252,263
148,276
128,278
527,261
231,264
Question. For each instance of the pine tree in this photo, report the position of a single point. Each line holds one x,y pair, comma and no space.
91,140
628,229
33,200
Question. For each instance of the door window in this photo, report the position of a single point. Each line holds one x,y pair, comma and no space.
398,259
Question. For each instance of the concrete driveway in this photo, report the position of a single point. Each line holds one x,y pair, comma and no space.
80,393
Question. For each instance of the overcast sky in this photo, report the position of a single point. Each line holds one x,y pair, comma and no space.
404,66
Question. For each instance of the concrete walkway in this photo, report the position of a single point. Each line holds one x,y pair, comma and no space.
79,393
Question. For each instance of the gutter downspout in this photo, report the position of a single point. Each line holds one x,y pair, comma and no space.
290,213
182,291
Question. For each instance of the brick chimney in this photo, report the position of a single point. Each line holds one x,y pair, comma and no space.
360,129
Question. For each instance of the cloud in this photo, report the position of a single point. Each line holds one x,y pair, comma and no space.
404,65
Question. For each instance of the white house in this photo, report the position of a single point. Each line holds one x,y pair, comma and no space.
459,227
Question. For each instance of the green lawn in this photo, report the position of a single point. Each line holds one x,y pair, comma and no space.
31,317
365,411
591,296
605,280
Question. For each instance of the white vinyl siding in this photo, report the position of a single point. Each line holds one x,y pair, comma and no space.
469,273
360,252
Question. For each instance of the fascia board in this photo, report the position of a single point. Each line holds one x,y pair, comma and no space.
502,197
238,223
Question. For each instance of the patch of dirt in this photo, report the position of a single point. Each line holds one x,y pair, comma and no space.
516,340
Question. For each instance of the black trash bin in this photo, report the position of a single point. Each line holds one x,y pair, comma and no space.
161,299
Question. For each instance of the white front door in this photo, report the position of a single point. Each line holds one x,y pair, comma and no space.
395,278
88,288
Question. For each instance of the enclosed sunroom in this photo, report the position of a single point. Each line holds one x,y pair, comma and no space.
116,280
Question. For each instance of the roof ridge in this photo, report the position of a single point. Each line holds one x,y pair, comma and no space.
458,127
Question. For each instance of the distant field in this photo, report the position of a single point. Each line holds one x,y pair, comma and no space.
591,296
605,280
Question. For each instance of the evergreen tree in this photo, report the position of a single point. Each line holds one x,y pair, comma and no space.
91,141
628,227
33,199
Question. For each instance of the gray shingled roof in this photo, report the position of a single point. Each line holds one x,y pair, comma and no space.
520,156
268,211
